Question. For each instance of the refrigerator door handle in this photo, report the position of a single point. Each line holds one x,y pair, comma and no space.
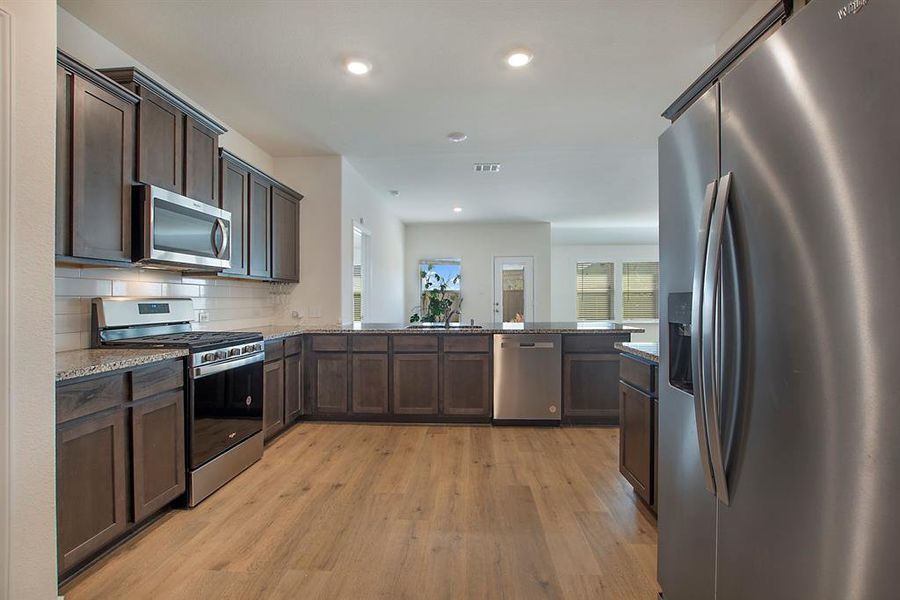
711,383
697,335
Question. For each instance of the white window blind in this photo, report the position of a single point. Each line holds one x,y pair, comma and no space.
357,293
594,291
640,290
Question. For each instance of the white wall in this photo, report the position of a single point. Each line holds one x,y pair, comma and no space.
476,245
745,23
26,250
363,204
87,45
563,280
318,296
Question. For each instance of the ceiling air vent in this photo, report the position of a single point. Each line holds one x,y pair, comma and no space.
486,167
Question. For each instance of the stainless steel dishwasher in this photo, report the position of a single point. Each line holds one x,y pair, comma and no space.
527,377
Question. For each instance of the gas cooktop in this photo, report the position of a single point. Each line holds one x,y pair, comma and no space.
194,340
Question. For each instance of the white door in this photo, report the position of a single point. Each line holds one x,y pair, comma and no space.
513,289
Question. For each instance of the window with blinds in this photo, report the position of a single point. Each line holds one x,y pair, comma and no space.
640,290
357,293
594,291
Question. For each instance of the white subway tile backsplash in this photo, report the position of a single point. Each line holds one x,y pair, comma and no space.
230,304
136,288
66,286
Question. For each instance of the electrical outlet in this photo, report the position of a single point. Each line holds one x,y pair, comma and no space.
203,316
295,314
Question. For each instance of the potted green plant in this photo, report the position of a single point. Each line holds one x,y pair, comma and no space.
440,303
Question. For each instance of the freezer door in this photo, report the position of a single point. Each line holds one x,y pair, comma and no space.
811,133
688,163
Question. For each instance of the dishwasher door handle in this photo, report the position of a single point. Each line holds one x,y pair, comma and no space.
530,345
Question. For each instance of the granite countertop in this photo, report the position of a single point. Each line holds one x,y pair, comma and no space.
274,332
647,351
81,363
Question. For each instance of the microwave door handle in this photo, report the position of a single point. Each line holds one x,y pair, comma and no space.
711,379
697,334
219,225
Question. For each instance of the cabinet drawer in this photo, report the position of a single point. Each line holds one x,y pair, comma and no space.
370,343
467,343
592,343
293,345
329,343
638,373
90,396
156,379
415,343
274,350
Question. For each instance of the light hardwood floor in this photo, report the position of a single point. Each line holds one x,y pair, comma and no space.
396,511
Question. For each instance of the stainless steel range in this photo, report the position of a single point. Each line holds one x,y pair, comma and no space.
224,382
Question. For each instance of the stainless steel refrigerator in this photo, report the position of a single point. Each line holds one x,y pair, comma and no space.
779,424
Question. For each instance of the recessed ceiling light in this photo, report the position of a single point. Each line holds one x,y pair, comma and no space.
457,136
394,193
519,58
357,66
457,209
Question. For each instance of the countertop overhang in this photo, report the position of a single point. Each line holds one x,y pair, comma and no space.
647,351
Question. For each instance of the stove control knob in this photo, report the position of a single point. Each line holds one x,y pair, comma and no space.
220,354
209,356
234,352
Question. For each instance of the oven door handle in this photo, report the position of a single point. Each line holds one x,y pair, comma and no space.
204,370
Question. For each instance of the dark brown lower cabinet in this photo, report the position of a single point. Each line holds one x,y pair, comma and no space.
415,384
120,456
273,394
370,383
293,386
467,384
91,458
157,433
329,382
591,387
636,439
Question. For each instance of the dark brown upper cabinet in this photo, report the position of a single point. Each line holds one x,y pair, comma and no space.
177,144
260,226
285,235
95,165
201,149
234,196
265,221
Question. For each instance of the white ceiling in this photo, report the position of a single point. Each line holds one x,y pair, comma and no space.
575,131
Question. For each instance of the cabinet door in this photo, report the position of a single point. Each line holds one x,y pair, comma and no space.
415,384
258,232
234,196
201,148
90,486
157,441
636,438
467,384
160,143
591,386
293,384
285,236
329,383
370,383
102,171
273,398
64,82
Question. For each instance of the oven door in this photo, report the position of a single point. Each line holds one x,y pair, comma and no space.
226,407
175,230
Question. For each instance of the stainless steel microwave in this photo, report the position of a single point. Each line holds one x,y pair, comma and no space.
175,231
